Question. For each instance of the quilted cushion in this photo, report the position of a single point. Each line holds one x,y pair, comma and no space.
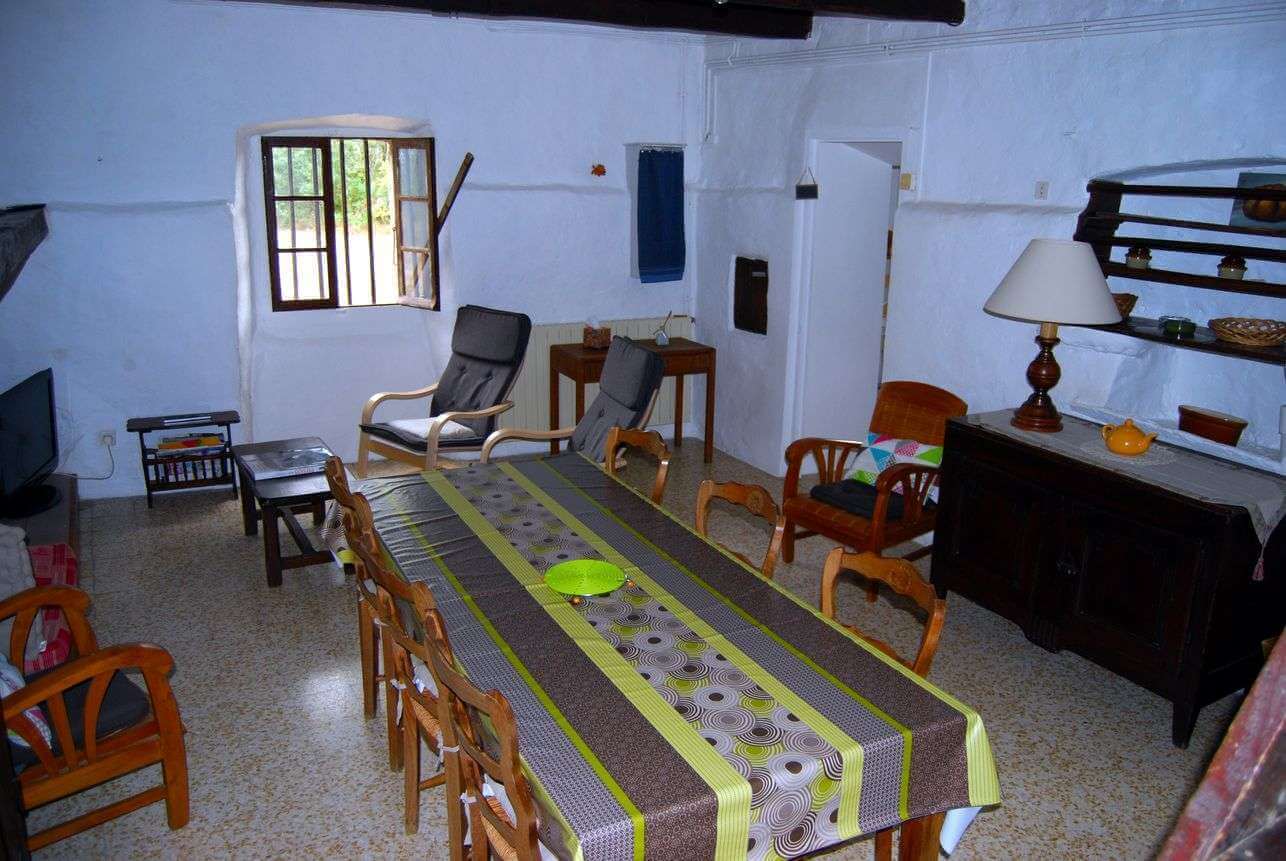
631,375
883,451
415,441
855,497
487,350
123,706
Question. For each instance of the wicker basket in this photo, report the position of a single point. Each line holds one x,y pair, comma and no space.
1249,331
1125,302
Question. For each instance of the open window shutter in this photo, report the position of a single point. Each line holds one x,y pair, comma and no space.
415,193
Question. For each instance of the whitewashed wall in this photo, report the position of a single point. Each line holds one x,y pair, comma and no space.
1060,92
136,121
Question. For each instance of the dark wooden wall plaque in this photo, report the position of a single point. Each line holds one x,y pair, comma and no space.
750,296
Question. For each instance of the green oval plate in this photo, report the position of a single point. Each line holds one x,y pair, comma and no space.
584,577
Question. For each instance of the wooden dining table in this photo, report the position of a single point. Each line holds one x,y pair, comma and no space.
700,711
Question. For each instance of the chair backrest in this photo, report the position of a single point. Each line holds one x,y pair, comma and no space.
900,576
359,525
337,478
483,729
487,351
631,375
755,499
917,411
649,441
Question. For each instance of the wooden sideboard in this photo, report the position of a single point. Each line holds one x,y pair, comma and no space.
1149,583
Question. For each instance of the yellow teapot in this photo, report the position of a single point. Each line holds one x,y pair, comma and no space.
1126,439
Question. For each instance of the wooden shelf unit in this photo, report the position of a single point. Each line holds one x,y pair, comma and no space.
1102,217
166,472
1203,340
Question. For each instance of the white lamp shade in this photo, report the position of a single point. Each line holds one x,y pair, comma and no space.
1055,281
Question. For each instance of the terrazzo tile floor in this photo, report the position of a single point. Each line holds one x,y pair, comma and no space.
282,762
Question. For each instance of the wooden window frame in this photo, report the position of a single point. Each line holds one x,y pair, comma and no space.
327,199
428,256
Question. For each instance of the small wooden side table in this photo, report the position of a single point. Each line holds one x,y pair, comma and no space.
584,365
275,500
180,471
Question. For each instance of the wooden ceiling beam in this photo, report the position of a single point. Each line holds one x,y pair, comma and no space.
701,16
942,11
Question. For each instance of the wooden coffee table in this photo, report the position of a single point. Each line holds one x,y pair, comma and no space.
280,499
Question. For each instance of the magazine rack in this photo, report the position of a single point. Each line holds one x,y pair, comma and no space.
208,468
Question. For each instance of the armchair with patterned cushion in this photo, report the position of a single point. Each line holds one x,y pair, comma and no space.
85,722
487,352
897,506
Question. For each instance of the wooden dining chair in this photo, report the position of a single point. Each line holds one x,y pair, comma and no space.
649,441
755,499
900,576
372,569
419,696
368,633
101,725
506,813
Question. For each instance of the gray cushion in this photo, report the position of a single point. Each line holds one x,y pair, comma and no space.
124,705
414,442
631,375
487,350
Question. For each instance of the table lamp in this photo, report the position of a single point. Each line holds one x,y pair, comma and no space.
1053,281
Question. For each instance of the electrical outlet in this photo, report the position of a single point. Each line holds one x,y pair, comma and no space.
1042,190
107,438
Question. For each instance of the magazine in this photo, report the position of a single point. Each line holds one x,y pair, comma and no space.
284,464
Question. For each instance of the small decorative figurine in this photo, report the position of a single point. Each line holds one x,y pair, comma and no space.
1232,266
662,336
1138,257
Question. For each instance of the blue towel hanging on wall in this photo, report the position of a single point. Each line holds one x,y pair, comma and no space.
662,252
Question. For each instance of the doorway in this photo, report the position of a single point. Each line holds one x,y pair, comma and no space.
842,331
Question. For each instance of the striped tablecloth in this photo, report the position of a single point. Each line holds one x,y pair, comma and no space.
702,713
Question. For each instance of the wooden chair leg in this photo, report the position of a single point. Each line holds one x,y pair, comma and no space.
411,766
391,696
368,639
363,455
788,543
872,592
174,771
884,845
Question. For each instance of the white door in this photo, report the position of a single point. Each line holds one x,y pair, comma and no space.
844,323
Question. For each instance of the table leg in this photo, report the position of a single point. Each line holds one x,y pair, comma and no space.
580,401
918,840
553,407
710,413
678,410
319,512
272,545
249,517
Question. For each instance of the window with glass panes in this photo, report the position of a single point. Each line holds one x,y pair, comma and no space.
349,221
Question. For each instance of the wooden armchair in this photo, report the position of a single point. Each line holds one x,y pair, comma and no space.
626,393
753,498
649,441
487,351
905,410
102,725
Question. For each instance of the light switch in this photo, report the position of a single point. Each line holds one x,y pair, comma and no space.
906,182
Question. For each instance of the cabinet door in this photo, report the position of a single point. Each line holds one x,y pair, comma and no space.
1124,587
991,537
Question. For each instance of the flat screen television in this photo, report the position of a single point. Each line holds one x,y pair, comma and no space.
28,446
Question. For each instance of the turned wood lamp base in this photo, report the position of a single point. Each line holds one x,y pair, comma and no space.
1038,412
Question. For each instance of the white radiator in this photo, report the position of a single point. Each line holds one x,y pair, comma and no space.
531,393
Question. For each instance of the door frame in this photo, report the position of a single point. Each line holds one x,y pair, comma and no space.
802,253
